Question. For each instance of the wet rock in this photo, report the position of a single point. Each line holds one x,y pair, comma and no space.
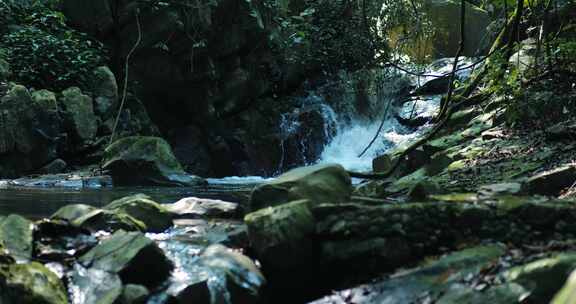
81,180
30,283
105,90
194,207
551,182
54,167
134,257
318,184
16,236
107,220
142,208
543,278
281,235
81,122
567,295
198,292
72,212
94,286
244,280
5,257
143,160
134,294
58,240
503,294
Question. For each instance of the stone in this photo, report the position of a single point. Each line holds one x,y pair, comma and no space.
134,294
30,283
142,208
551,182
281,235
191,150
318,184
244,280
141,160
54,167
194,207
105,91
5,71
81,122
567,295
94,286
29,130
72,212
59,241
131,255
107,220
494,190
16,234
544,277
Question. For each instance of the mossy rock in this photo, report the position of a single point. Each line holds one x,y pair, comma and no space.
72,212
146,160
141,207
30,284
81,121
319,184
567,295
16,234
107,220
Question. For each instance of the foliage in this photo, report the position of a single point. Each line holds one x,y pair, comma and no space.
43,51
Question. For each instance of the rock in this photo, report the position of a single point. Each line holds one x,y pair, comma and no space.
5,257
435,86
544,277
54,167
107,220
281,235
567,295
72,212
5,72
551,182
198,292
191,150
495,190
16,236
143,160
243,279
142,208
29,128
59,241
81,122
94,286
561,131
30,283
134,294
134,257
318,184
194,207
105,92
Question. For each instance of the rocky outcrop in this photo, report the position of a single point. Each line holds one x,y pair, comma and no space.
145,161
318,184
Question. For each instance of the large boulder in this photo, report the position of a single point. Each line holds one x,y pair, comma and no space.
319,184
141,207
131,255
16,235
107,220
282,236
30,283
81,122
105,92
141,160
29,128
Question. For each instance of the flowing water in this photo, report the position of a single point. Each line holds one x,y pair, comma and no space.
345,137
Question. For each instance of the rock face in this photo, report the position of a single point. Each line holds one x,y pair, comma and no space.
29,127
319,184
30,283
145,161
131,255
79,115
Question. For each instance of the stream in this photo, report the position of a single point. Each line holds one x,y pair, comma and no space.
347,138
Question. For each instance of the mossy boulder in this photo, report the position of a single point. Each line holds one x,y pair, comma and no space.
30,284
105,91
81,122
72,212
16,235
141,207
108,220
281,235
134,257
145,160
319,184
